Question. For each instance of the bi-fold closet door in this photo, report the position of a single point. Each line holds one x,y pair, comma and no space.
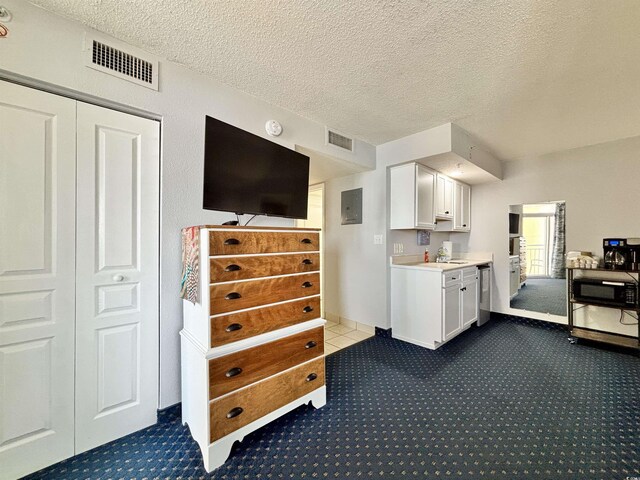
79,233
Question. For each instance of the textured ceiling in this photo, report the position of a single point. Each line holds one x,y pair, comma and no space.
525,77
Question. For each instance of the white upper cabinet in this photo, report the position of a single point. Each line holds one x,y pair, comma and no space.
444,197
412,197
462,208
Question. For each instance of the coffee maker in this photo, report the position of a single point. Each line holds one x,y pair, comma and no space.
621,253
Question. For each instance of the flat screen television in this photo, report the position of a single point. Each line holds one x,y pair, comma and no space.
245,173
514,224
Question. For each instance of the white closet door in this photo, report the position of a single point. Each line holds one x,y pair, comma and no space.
37,278
117,275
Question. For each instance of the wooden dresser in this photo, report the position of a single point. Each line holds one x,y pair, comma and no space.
253,346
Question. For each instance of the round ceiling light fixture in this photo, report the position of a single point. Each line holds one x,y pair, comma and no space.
273,128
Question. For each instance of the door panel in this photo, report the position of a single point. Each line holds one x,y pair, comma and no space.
425,197
117,275
469,302
451,311
37,278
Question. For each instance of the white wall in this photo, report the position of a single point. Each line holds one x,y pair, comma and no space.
599,184
357,271
48,49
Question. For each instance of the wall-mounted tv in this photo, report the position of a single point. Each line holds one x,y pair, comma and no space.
245,173
514,224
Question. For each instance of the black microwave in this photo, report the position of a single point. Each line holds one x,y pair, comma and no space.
608,292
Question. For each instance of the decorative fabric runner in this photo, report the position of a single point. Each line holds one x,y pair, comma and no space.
190,286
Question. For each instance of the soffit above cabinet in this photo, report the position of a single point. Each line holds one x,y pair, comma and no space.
447,149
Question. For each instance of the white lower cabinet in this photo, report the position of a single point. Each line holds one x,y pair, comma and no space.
451,312
514,275
429,308
469,300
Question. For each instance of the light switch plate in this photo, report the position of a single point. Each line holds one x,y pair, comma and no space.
377,239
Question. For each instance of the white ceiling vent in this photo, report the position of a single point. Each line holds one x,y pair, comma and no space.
121,63
338,140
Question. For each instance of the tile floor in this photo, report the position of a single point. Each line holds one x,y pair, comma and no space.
338,336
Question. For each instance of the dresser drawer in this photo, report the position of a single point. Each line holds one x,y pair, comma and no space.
245,367
228,297
238,409
231,242
228,269
237,326
451,278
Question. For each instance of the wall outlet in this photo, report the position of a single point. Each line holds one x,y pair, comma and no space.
377,239
398,248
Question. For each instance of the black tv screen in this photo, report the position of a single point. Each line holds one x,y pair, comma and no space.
514,224
245,173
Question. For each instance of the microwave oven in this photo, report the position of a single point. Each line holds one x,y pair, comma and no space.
607,292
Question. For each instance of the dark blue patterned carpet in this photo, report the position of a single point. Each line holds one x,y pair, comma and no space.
510,400
544,295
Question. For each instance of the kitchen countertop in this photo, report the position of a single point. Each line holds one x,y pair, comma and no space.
443,267
470,259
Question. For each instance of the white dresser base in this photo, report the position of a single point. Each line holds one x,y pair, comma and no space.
195,404
217,453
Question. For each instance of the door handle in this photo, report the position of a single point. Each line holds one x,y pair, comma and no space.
118,278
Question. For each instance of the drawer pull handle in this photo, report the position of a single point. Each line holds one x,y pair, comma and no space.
447,212
307,285
464,225
306,261
232,241
232,296
307,309
305,240
234,372
233,327
311,377
233,268
234,412
310,344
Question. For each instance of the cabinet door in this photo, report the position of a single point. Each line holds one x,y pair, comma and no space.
451,314
117,275
425,197
462,208
444,197
514,277
469,301
37,278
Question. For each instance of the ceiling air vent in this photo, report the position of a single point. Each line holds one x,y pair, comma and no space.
122,64
339,140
